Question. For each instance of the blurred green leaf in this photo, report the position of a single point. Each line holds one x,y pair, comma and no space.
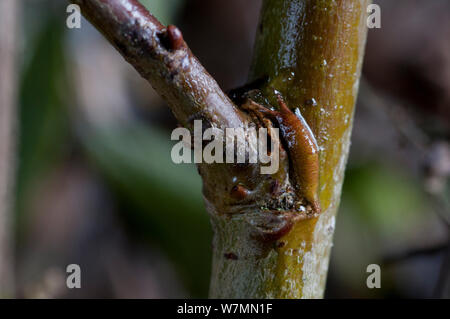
381,205
386,197
136,160
43,122
164,10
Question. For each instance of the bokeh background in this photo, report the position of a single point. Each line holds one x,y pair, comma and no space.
94,183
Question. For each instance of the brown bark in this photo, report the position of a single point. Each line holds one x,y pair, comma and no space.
308,51
162,57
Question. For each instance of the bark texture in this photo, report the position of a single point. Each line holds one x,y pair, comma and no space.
310,53
162,57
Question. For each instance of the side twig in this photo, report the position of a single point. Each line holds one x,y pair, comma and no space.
162,57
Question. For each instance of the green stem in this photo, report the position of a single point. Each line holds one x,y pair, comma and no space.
311,52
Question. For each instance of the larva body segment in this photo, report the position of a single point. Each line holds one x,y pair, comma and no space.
302,149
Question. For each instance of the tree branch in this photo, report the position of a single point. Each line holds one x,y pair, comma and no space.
311,51
162,57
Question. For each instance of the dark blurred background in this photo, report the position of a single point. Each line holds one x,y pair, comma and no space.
95,184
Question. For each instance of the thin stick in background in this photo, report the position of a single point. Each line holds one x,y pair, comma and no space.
8,77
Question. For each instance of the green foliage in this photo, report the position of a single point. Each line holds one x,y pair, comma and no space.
381,207
161,200
166,197
386,197
164,10
43,121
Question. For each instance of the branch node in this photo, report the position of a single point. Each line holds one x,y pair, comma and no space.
171,38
